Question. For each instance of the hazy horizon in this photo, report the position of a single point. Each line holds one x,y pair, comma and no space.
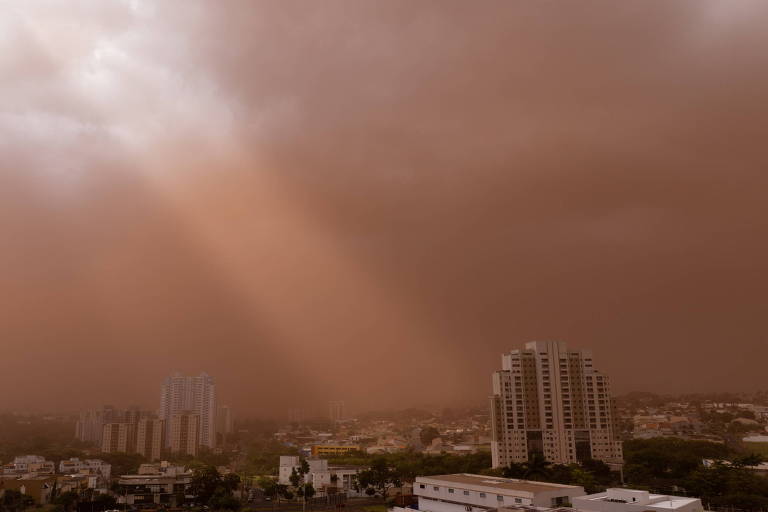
372,201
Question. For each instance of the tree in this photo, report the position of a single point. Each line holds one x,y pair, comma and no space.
536,467
104,502
206,480
14,501
268,486
584,478
67,500
378,477
230,482
224,502
428,434
295,478
214,490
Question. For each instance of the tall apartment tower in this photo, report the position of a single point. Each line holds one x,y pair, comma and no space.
336,410
224,425
185,433
198,394
550,400
150,438
90,424
117,437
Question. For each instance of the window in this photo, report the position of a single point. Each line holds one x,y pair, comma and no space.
482,495
436,488
518,500
450,491
499,498
466,493
422,486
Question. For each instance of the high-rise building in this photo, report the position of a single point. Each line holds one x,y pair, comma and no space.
198,394
150,438
551,400
336,410
185,432
224,425
117,437
296,415
90,424
134,414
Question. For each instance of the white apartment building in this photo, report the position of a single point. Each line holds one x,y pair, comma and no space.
478,493
321,475
75,466
629,500
551,400
287,464
29,464
182,393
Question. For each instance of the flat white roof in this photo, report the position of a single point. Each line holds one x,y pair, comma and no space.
654,500
494,484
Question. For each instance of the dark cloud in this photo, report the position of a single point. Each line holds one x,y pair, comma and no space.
372,200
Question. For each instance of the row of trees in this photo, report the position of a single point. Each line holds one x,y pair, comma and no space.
214,490
593,475
675,466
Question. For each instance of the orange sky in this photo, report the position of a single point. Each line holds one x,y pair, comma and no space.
370,201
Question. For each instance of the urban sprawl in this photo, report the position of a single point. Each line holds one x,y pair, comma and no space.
552,437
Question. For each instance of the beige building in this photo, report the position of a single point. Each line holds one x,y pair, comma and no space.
197,394
185,433
150,438
551,400
118,437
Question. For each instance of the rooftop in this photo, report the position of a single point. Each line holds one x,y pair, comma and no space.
508,484
652,500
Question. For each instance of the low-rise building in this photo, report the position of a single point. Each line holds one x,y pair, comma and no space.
630,500
96,467
475,493
331,450
171,490
39,488
29,465
324,477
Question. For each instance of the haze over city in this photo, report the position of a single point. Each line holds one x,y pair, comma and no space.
372,201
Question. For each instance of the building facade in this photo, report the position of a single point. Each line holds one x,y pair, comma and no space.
185,433
150,438
29,465
550,400
478,493
153,490
326,479
95,467
333,450
90,424
118,437
631,500
198,394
